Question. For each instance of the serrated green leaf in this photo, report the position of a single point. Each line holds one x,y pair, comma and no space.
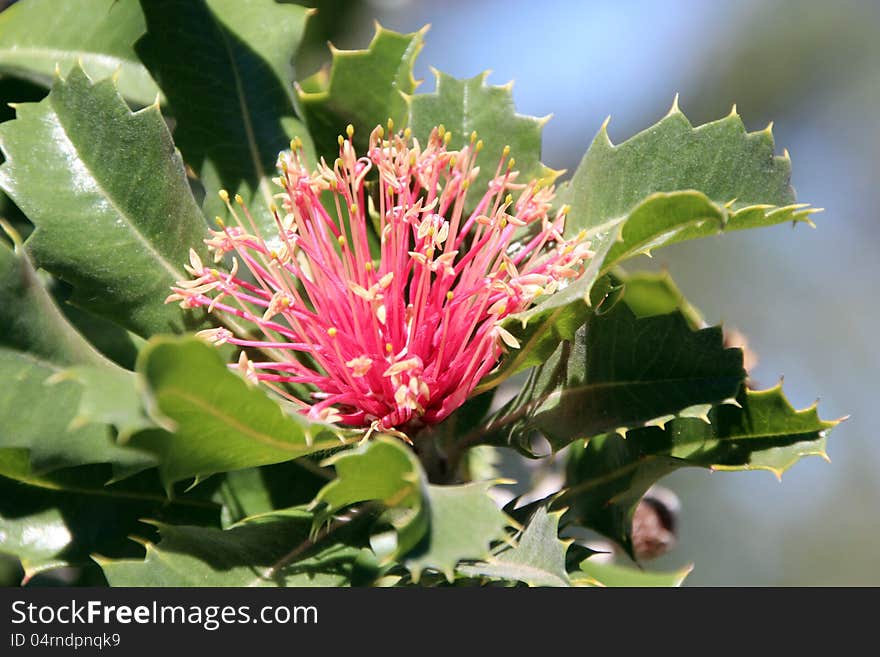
215,421
41,421
228,80
385,471
719,159
471,105
619,371
538,558
596,573
607,478
463,523
39,35
365,88
107,193
269,550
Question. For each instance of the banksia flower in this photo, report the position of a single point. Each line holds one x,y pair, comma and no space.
399,340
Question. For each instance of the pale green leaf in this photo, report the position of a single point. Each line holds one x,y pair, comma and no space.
215,421
385,471
538,558
463,523
596,573
719,159
469,106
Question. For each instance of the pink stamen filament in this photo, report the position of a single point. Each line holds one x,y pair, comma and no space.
406,337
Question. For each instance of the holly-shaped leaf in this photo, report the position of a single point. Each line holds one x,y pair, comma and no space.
463,523
538,558
107,193
383,471
228,78
39,36
720,159
365,88
761,430
470,107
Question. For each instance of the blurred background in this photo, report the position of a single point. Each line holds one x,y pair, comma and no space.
806,299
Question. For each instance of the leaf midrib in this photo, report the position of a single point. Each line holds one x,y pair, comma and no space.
534,571
300,449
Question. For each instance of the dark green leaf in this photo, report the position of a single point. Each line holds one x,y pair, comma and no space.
619,371
761,430
365,88
225,67
62,519
269,550
255,491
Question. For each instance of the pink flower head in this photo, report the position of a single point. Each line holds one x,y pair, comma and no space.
402,339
